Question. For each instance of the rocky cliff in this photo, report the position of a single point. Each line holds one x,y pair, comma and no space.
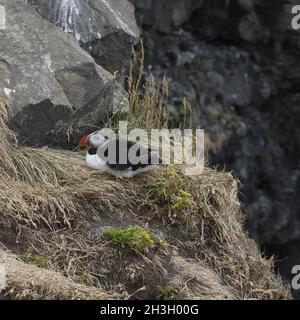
237,62
56,87
107,29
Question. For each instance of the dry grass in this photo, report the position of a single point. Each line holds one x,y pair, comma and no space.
24,281
199,282
50,201
148,99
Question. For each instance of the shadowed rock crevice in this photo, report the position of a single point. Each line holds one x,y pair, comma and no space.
106,53
34,122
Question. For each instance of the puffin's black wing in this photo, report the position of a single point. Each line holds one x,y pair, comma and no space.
121,148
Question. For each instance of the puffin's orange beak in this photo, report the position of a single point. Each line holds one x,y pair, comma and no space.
84,142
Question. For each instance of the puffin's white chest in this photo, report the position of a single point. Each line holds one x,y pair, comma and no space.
94,162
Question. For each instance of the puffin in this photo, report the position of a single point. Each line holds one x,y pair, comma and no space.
98,147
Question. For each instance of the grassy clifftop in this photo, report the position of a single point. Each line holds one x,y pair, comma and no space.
161,235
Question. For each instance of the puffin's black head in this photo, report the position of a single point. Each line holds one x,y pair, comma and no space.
94,140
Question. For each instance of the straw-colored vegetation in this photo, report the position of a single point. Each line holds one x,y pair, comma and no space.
73,217
25,281
148,100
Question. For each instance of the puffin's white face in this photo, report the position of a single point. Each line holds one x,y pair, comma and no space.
96,140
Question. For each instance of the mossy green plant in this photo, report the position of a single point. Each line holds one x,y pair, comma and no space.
133,237
160,192
170,190
39,260
168,292
184,200
163,191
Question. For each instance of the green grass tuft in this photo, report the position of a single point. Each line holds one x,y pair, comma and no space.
136,238
170,190
41,261
167,293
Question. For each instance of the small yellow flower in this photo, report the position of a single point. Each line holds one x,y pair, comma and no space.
181,192
151,242
147,237
184,194
171,173
178,200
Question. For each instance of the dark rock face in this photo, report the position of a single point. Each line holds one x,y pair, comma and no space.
107,29
228,20
50,80
165,15
237,63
